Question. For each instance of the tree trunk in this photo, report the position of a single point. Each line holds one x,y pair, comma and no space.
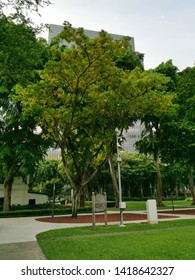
77,189
159,180
72,184
75,205
191,184
7,196
82,197
142,192
129,192
7,189
114,180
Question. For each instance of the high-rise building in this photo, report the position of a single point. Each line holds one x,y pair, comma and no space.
131,136
54,30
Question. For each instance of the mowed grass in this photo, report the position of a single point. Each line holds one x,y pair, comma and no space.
168,240
141,205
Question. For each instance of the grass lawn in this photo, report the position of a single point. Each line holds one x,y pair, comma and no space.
141,205
168,240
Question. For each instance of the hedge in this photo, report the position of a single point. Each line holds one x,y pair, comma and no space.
43,212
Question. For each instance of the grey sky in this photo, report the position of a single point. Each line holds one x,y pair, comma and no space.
163,29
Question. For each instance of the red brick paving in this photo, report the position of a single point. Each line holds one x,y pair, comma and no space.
114,217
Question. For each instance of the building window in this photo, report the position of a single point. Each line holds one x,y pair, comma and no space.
132,136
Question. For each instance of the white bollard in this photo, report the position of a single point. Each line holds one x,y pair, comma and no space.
152,211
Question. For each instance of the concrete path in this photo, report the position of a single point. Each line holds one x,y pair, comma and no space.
18,237
21,251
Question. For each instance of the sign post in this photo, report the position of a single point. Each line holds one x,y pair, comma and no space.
99,204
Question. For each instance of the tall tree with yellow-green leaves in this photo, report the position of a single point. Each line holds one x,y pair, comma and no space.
82,97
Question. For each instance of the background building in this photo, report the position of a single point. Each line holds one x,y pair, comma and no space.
20,194
132,135
54,30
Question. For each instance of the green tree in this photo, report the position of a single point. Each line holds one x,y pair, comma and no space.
175,178
20,6
128,60
21,11
76,101
180,146
46,174
171,71
20,55
83,97
155,116
137,172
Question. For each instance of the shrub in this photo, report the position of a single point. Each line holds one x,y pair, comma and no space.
58,210
111,204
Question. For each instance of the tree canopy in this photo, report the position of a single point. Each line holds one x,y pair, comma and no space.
83,96
178,132
21,54
47,173
20,6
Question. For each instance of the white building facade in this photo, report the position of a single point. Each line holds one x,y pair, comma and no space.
21,196
131,136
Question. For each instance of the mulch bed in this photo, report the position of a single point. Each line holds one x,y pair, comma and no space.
81,219
180,212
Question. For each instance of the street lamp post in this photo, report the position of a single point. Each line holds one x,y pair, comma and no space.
122,205
53,202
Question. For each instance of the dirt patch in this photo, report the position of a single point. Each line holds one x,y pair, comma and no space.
82,219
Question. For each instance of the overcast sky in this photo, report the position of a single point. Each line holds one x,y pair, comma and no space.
162,29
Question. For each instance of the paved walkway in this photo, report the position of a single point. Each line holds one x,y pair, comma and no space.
18,237
21,251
